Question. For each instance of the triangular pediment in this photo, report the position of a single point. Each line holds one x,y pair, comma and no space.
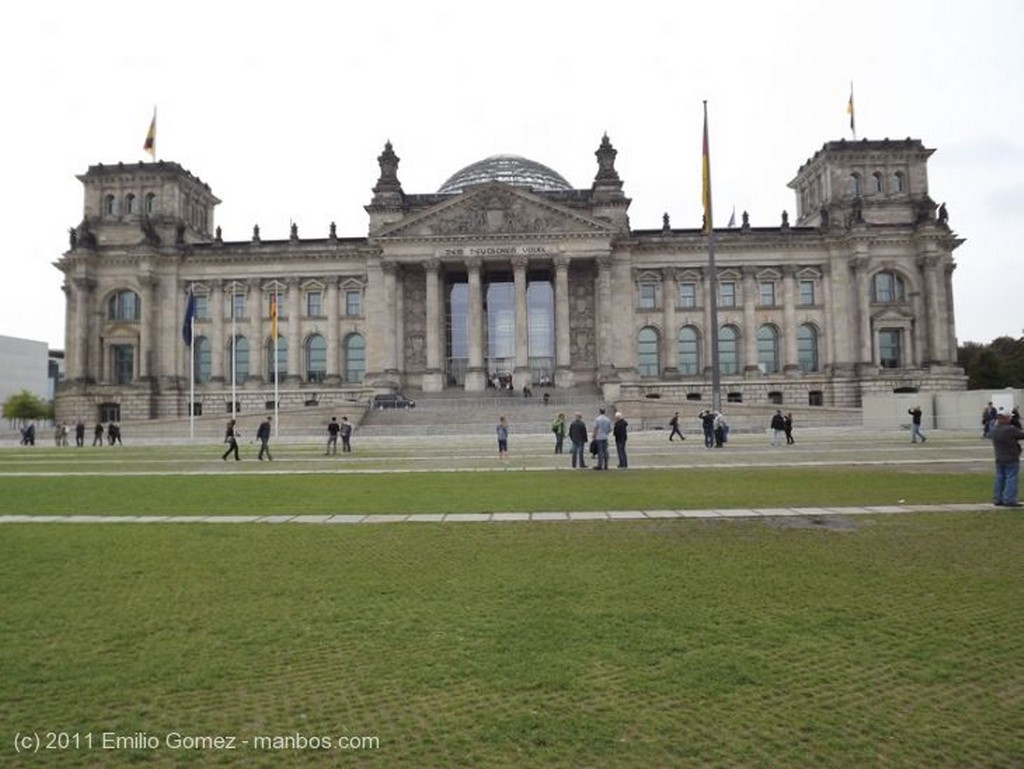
495,209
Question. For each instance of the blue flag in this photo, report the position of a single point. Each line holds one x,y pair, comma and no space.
190,314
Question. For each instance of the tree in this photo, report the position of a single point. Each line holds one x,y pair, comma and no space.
25,407
995,365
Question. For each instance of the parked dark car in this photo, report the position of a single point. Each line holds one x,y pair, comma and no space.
392,401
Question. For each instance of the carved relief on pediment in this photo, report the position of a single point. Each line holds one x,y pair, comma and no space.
494,213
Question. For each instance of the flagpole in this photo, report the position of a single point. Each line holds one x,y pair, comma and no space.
276,310
234,344
709,229
192,369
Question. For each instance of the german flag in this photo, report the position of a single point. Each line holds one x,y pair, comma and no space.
150,144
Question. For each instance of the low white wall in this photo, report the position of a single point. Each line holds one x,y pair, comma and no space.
940,410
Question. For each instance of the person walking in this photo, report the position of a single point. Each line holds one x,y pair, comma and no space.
1006,439
674,424
619,430
346,436
333,428
97,434
558,428
80,434
578,439
263,436
778,427
915,424
231,438
602,429
502,432
787,425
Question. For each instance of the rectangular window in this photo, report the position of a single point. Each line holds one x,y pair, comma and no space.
687,294
648,297
890,347
353,303
727,294
237,306
202,307
806,293
124,363
767,293
314,304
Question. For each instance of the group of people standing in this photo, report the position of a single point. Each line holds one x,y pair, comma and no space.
580,438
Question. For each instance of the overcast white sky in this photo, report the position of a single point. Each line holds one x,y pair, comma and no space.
283,109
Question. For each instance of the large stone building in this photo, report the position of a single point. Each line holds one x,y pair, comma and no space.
506,276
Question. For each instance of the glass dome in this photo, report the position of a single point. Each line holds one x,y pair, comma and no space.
510,169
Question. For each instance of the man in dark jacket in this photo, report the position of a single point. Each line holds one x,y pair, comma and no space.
263,436
578,437
619,429
778,428
1006,443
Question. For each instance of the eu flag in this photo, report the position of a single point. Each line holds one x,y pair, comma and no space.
190,314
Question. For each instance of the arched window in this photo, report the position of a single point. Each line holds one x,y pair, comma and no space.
768,349
123,306
131,204
853,186
729,350
110,205
648,363
150,204
898,182
316,358
689,351
875,183
202,359
240,356
887,287
807,347
355,357
280,364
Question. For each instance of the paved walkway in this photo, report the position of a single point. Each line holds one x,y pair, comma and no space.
608,515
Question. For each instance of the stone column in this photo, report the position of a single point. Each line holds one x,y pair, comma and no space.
521,374
950,355
605,358
750,367
397,372
710,332
389,333
827,339
293,369
148,324
433,378
860,330
669,294
936,324
332,336
475,374
85,368
563,356
215,306
253,331
791,358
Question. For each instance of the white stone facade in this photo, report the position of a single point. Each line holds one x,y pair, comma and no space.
498,283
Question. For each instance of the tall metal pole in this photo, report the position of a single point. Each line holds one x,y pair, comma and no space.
191,368
709,230
235,352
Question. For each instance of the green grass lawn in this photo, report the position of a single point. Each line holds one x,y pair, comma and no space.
867,641
887,641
